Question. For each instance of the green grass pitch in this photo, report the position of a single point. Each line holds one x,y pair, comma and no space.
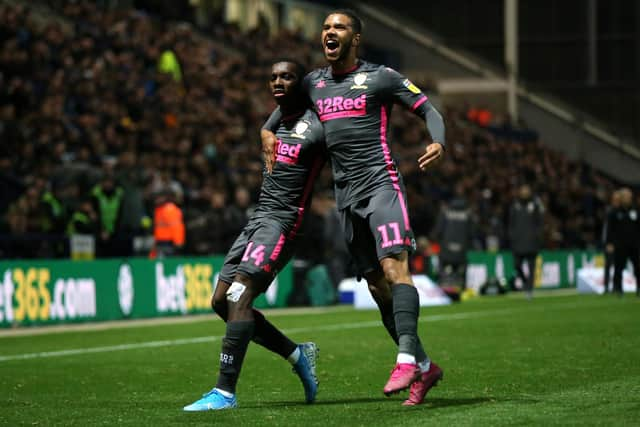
552,361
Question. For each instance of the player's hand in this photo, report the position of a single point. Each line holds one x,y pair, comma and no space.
268,148
432,154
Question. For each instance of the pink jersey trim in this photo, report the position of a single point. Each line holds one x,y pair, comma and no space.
276,251
418,103
393,173
315,169
342,114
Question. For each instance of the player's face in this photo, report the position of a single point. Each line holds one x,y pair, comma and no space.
284,80
337,37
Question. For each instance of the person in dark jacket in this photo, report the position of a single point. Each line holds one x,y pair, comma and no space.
525,234
454,230
625,237
606,238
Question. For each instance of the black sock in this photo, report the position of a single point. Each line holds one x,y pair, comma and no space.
234,348
265,334
406,307
386,312
270,337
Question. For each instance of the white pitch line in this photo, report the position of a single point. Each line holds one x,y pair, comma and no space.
333,327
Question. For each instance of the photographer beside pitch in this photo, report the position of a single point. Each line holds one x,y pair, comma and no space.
268,243
353,99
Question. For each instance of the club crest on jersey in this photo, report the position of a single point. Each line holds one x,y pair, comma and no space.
358,80
321,84
413,88
300,129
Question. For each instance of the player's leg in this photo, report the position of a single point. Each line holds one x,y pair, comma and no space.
635,262
518,259
302,356
388,224
608,262
239,331
266,251
381,292
531,264
619,261
265,333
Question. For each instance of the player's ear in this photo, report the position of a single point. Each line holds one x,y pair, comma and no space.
356,40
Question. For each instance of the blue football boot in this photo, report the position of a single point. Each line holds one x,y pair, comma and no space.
213,400
305,367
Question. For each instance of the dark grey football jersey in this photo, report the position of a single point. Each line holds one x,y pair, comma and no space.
300,154
354,108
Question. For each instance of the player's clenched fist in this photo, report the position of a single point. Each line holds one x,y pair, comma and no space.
433,153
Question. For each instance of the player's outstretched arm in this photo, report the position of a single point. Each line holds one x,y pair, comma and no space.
402,91
435,126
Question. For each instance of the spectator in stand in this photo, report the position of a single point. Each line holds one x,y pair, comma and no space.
107,200
168,226
84,220
239,211
86,89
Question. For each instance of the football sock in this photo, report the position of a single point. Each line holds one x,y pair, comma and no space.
271,338
386,312
424,365
265,334
234,348
406,307
406,358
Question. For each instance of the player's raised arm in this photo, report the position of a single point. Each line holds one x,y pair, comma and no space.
404,92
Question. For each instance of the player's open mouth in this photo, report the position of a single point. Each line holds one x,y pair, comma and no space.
277,92
332,45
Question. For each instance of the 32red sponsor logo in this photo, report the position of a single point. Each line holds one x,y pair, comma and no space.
339,103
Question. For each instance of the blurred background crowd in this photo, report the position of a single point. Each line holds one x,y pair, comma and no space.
104,114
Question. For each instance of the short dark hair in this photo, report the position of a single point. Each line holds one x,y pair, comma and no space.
356,22
301,70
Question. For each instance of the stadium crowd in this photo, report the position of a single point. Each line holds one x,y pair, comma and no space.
103,110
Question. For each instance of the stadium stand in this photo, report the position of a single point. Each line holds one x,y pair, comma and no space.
83,96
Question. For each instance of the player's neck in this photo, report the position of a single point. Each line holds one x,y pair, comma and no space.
345,65
291,111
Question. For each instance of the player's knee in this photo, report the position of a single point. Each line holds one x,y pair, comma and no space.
219,305
396,273
239,296
396,268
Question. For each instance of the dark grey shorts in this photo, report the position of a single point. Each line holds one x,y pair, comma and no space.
377,227
259,252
